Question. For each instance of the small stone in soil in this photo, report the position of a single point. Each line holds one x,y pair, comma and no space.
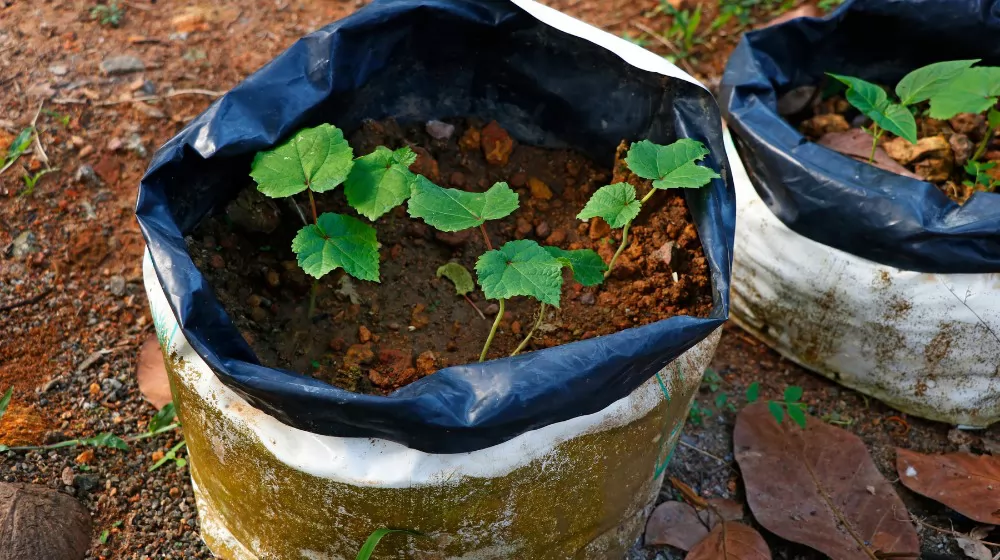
497,144
25,244
439,130
426,362
426,165
419,319
542,230
116,285
557,237
67,476
216,261
599,229
85,175
358,354
519,180
123,64
85,458
364,335
258,314
492,309
273,278
665,253
968,123
539,190
962,147
587,298
523,227
86,482
819,125
470,139
515,327
457,179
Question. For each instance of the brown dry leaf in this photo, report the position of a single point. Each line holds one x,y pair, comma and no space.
973,549
675,524
857,144
731,541
968,484
152,374
810,486
727,509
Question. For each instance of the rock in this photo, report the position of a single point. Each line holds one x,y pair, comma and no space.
470,140
85,458
67,476
665,253
58,69
857,144
962,148
216,261
543,230
25,244
497,144
419,319
556,237
453,238
905,153
539,190
42,524
492,309
123,64
426,165
439,130
968,124
108,168
587,298
796,100
358,354
134,143
364,335
523,227
599,229
85,174
148,87
820,125
347,289
426,363
273,278
805,11
934,169
258,314
116,285
252,211
86,482
519,180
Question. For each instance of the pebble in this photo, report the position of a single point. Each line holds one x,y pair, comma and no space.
85,174
440,130
539,190
497,144
258,314
25,244
587,298
523,227
519,180
556,237
122,64
599,229
542,230
86,482
427,362
457,179
58,70
116,285
364,335
492,309
134,143
273,279
216,261
67,476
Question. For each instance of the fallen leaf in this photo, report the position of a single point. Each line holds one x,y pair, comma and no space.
857,144
675,524
731,541
810,486
973,548
152,374
727,509
968,484
804,11
37,523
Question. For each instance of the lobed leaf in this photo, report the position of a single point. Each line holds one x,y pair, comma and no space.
380,181
641,159
672,166
455,210
616,204
317,158
338,241
459,276
974,91
924,83
520,268
588,267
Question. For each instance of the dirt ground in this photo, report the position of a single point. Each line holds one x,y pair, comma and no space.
72,310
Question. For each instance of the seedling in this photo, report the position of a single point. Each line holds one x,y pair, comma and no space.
163,418
18,147
981,176
669,167
31,180
368,548
170,456
683,27
108,14
796,410
935,82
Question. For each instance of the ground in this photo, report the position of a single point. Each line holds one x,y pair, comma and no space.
72,310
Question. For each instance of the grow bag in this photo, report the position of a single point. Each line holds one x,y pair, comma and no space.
554,454
875,280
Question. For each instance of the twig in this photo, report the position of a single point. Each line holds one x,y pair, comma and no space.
175,93
93,358
667,43
38,141
703,452
474,306
32,300
939,529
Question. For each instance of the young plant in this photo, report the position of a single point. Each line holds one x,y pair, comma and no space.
683,28
791,403
367,549
108,14
30,181
669,167
18,147
917,86
170,456
980,175
974,90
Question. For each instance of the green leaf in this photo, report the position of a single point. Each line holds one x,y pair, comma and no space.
458,276
641,159
4,448
776,410
588,267
974,91
163,417
5,401
455,210
338,241
20,144
180,463
753,392
720,400
993,119
369,547
793,394
677,167
897,120
106,440
924,83
520,268
866,97
315,158
380,181
616,204
104,536
797,413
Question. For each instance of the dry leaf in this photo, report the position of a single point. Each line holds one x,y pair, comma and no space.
727,509
675,524
152,374
857,144
804,485
37,523
968,484
973,548
731,541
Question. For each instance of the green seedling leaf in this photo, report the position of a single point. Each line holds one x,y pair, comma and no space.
163,417
20,144
106,440
993,119
898,120
338,241
588,267
777,411
520,268
974,91
318,159
641,159
455,210
616,204
753,392
5,401
368,548
874,103
672,166
380,181
458,276
797,413
170,456
924,83
104,536
793,394
720,400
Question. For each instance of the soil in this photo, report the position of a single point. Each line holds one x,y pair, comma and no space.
375,337
939,157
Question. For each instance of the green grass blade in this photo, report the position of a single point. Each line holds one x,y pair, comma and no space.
368,548
5,401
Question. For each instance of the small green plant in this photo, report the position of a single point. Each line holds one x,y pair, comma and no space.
18,147
31,180
162,419
683,27
698,414
462,279
636,39
61,118
951,87
110,14
980,175
171,456
5,401
668,167
367,549
791,404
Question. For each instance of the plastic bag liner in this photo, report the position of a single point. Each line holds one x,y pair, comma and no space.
831,198
430,59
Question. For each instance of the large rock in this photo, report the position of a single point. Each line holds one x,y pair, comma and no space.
37,523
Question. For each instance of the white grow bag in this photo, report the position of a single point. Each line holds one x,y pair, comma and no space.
927,344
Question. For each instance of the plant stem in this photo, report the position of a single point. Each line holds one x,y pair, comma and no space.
876,133
76,442
621,247
493,332
164,429
312,202
489,246
474,306
541,314
981,148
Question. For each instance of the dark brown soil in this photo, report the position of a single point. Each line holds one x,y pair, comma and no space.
375,337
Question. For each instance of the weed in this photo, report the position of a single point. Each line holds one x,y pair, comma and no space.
110,14
171,456
638,39
791,404
827,5
18,147
31,180
368,548
980,174
683,29
59,117
698,414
